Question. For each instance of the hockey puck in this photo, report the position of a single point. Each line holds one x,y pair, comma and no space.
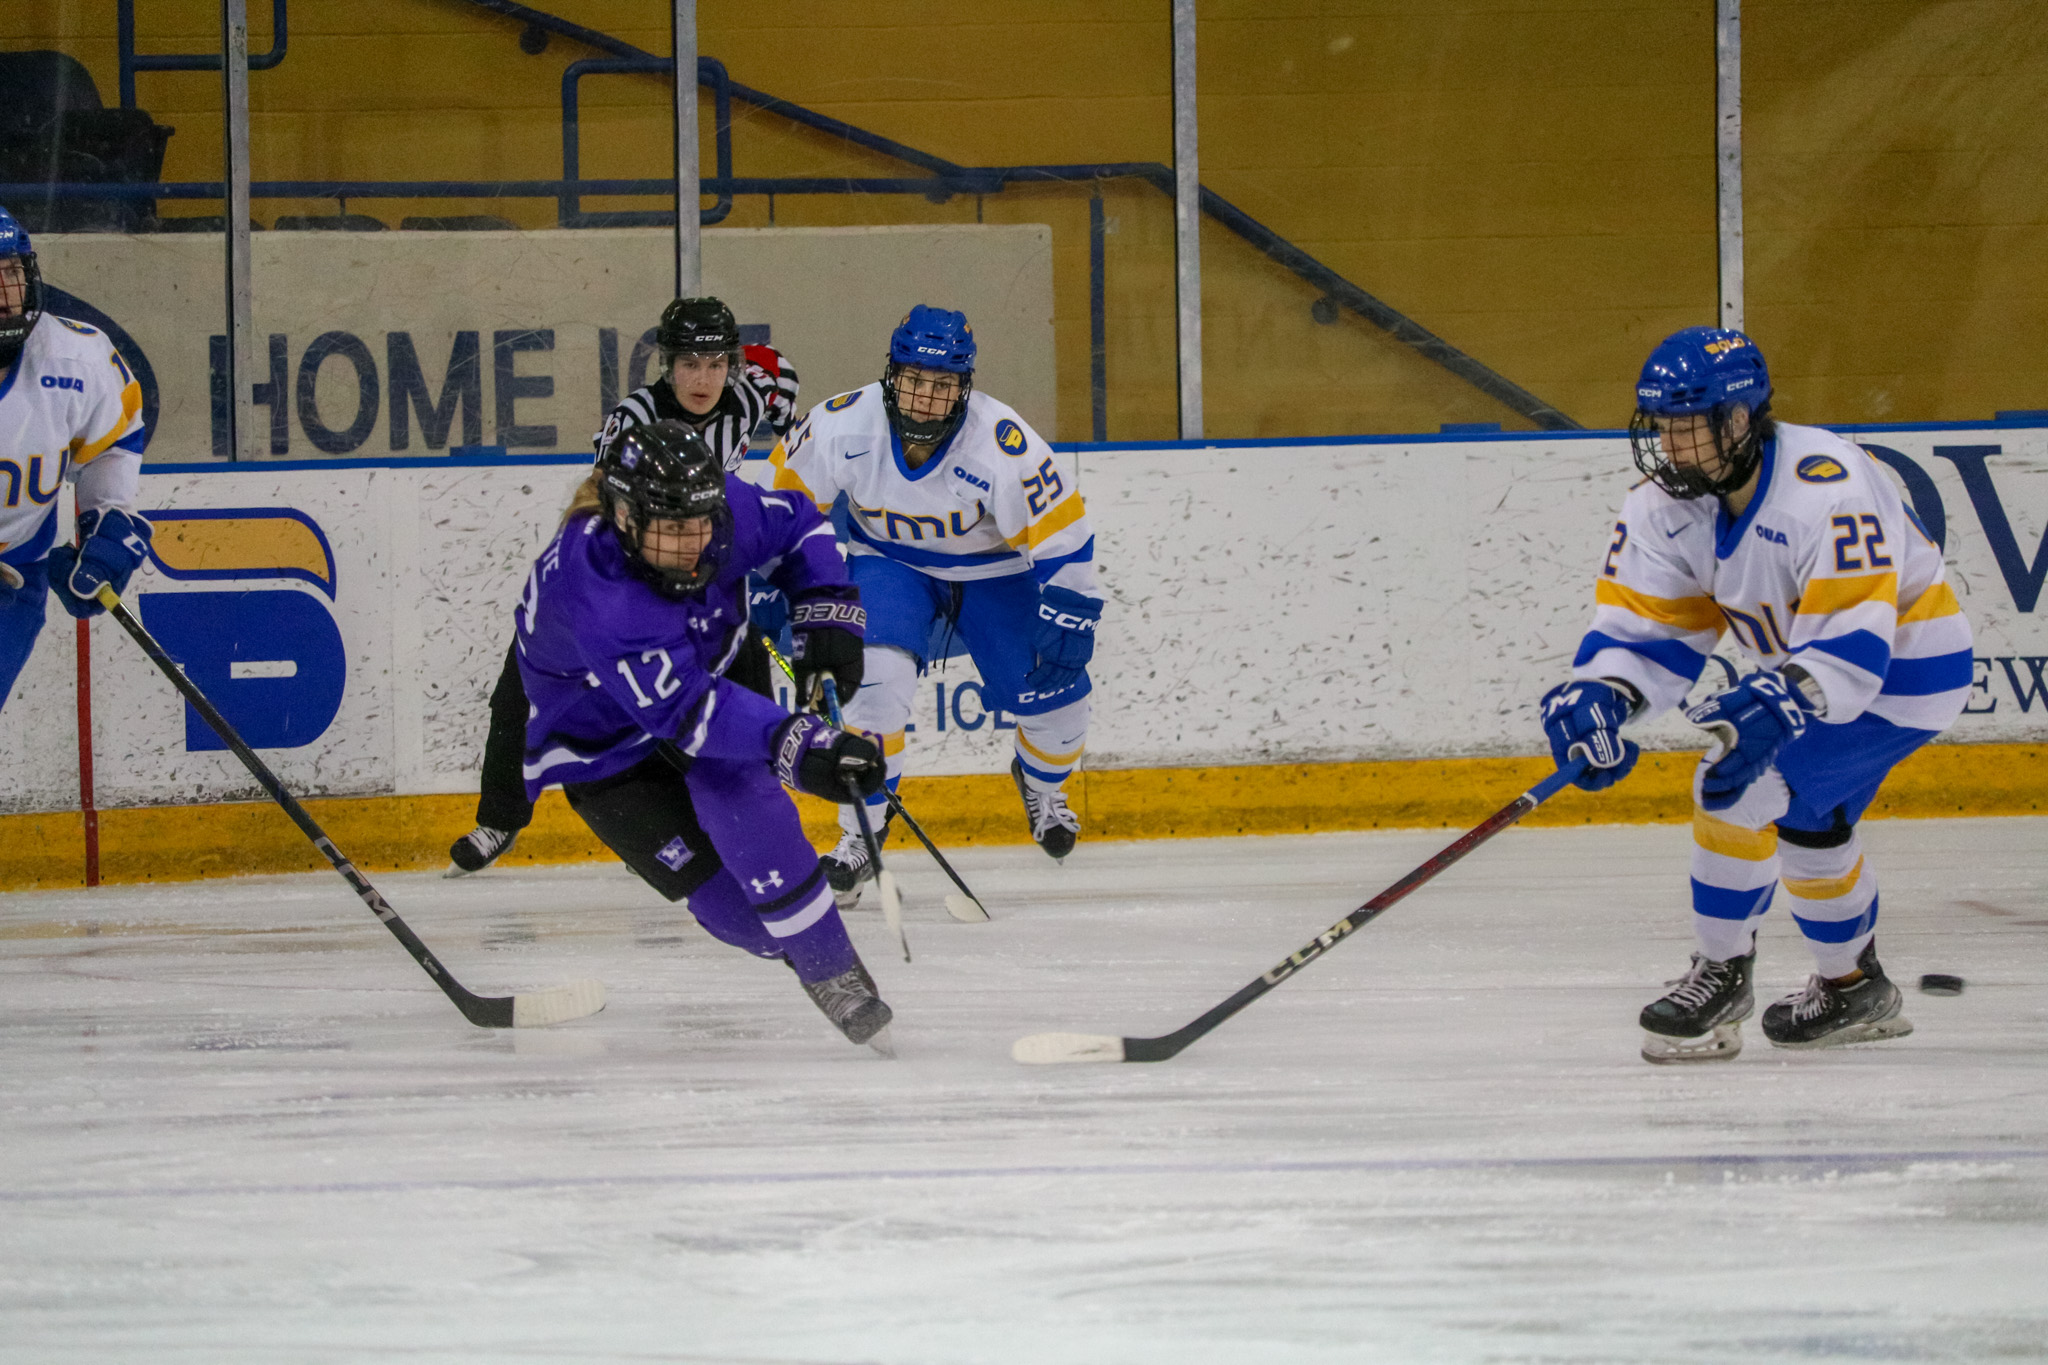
1940,983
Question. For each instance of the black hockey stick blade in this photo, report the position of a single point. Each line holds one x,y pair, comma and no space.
1045,1049
531,1010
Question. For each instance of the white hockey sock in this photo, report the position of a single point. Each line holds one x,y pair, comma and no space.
1734,872
882,706
1834,902
1049,747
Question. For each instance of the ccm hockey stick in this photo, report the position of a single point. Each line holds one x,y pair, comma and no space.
962,905
551,1006
1046,1048
885,880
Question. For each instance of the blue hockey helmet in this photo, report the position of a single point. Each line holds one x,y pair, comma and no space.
1709,371
929,339
21,298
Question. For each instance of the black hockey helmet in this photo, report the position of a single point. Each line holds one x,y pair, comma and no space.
663,471
697,327
18,315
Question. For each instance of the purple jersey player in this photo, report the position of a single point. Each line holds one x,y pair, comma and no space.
629,620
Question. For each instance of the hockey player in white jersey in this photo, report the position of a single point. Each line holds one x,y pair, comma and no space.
69,409
1793,540
962,520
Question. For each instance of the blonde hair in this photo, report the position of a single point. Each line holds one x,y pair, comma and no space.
584,499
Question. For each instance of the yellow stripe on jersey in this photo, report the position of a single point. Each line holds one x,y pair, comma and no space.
1937,601
1687,613
1049,525
785,477
1733,841
1825,888
1824,595
892,744
131,403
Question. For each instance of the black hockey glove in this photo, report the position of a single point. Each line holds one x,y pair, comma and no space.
813,757
827,627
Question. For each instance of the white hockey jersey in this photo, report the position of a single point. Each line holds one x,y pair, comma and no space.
69,408
1826,566
995,500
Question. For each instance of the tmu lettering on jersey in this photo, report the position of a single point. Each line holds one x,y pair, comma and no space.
894,524
1762,634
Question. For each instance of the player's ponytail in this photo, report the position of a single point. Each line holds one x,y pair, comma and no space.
584,499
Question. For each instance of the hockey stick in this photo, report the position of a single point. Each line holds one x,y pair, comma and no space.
885,881
964,905
1045,1048
551,1006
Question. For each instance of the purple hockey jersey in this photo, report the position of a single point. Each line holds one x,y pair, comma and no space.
611,666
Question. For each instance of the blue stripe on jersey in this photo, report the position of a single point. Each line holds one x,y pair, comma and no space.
1837,930
1046,568
1925,677
927,559
1859,648
1718,902
1673,656
136,440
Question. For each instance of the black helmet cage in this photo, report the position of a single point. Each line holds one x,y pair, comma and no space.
924,433
698,327
664,472
14,329
1739,457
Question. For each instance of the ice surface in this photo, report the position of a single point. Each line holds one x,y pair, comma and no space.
240,1125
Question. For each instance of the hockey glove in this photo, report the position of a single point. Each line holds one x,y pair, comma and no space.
116,543
11,582
1066,638
813,757
1750,722
1584,716
826,627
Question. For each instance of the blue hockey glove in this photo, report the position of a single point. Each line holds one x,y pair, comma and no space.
1584,717
116,543
1066,638
11,582
1751,721
811,756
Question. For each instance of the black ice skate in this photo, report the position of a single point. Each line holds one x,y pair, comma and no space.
848,864
852,1003
1829,1014
1053,826
1701,1019
478,849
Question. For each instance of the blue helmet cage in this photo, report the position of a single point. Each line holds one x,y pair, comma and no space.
15,326
929,339
1709,370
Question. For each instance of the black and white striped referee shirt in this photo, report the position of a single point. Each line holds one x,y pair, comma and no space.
764,389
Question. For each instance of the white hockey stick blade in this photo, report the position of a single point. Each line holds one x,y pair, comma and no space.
557,1004
892,908
966,909
1047,1049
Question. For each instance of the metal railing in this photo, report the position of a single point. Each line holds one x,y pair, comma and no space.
942,181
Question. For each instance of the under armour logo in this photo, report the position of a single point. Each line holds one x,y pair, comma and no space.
762,888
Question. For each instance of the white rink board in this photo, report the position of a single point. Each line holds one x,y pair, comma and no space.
1280,602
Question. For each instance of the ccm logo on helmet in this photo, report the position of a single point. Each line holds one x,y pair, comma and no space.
1734,384
1063,620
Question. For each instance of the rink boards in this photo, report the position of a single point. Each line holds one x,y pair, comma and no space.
1274,607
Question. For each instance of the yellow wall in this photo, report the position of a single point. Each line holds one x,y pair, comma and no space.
1532,180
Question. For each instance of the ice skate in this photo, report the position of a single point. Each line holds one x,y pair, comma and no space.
478,849
847,866
1053,826
1700,1020
855,1007
1830,1013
